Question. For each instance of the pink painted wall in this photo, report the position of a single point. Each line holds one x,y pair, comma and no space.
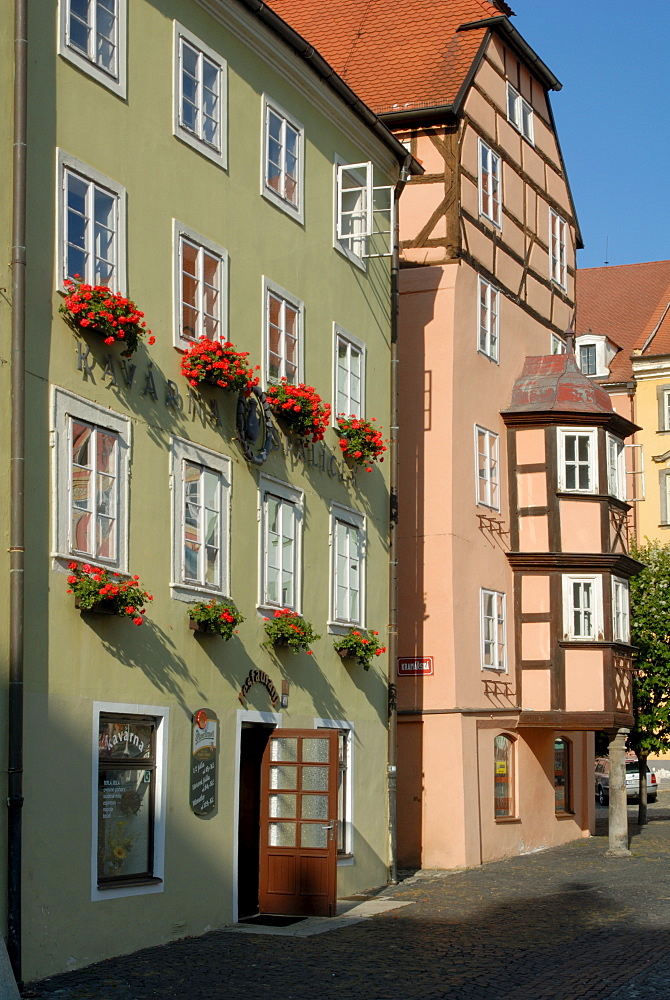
584,681
580,526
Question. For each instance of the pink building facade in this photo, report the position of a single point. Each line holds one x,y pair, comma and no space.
497,698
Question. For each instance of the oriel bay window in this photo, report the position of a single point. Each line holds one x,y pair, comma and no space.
126,799
620,610
582,607
281,542
577,451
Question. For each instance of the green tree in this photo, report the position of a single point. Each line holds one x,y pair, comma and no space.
650,632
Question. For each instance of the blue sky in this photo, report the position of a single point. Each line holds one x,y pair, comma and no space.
613,118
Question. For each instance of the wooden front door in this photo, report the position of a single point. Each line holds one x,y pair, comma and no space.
298,857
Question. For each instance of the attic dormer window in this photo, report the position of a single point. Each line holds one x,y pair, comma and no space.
587,359
520,113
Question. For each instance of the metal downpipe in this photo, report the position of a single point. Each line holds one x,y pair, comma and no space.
393,539
17,467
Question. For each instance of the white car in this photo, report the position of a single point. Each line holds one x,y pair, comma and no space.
632,781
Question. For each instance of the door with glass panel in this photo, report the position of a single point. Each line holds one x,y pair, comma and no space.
298,856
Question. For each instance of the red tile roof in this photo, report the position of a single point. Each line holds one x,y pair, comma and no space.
394,55
625,303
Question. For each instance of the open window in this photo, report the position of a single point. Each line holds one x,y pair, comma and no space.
365,223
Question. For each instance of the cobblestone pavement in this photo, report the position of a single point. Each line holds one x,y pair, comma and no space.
562,924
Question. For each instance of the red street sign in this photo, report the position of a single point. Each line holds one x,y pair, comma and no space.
415,666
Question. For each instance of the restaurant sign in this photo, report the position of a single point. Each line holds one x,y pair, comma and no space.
204,743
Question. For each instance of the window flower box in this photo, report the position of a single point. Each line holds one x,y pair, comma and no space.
288,628
102,591
220,364
215,618
360,440
301,408
97,309
359,645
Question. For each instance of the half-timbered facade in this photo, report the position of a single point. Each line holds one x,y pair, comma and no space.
488,240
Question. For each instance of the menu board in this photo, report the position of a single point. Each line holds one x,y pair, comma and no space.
204,745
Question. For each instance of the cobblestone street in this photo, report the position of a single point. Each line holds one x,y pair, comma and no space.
562,924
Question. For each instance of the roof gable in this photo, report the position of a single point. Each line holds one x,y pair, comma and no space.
625,303
396,56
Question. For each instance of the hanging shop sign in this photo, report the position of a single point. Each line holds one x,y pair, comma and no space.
258,677
204,744
409,666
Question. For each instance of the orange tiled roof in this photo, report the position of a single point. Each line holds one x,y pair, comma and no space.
386,51
625,303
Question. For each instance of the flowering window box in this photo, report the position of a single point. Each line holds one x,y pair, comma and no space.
301,408
215,618
220,364
103,591
97,309
360,441
288,628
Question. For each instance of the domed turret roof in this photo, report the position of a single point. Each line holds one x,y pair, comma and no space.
555,383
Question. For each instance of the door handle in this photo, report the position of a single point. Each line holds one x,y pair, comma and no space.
329,826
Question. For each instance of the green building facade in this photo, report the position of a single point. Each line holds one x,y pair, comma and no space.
185,155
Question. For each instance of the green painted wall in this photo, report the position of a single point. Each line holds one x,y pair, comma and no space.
72,660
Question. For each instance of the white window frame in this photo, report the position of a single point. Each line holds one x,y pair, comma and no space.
488,320
277,290
65,408
596,609
347,858
522,114
340,514
490,483
116,82
663,408
620,610
377,204
216,153
268,486
342,336
181,452
592,435
297,210
499,619
589,347
493,169
616,467
162,716
67,163
181,232
558,242
556,345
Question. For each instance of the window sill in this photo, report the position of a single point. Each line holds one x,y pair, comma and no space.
564,815
489,357
343,628
267,611
189,594
507,819
344,859
129,883
294,212
200,146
